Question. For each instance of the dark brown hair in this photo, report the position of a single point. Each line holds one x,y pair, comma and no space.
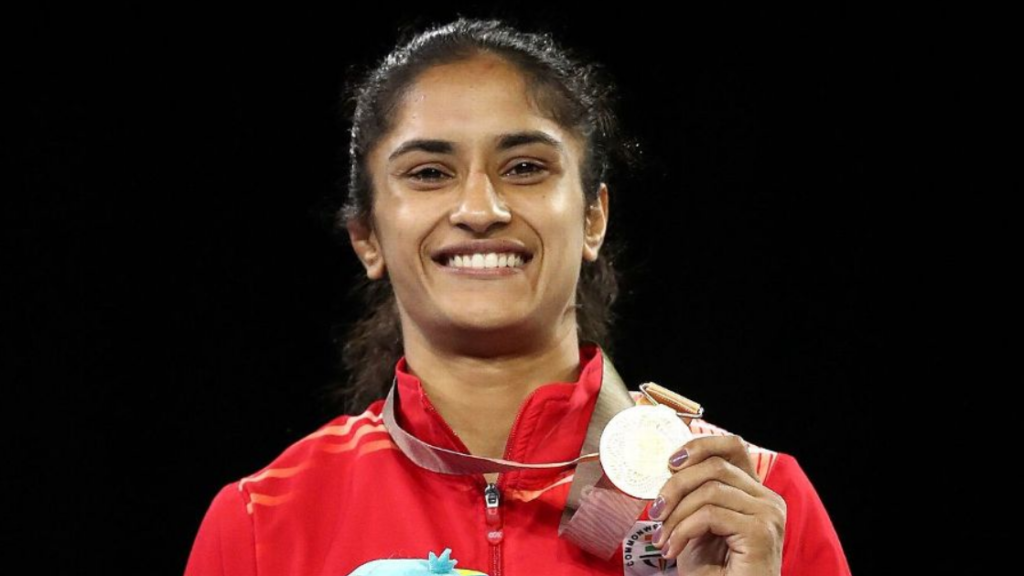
579,95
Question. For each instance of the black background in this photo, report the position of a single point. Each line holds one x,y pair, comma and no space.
177,291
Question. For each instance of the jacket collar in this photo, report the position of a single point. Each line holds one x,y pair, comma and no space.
551,424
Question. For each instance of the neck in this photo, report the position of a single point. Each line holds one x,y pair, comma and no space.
480,396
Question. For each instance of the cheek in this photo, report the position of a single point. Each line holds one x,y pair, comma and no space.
402,223
400,244
559,222
564,203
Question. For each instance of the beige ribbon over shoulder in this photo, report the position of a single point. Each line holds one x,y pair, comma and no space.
597,515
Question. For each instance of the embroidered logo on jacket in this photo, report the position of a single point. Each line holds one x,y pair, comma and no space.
639,556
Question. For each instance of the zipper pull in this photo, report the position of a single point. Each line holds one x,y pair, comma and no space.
492,500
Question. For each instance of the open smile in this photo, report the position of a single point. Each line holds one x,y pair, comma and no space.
479,264
483,258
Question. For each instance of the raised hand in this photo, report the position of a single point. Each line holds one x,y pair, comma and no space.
717,518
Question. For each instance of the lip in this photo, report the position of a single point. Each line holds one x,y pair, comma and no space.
497,245
482,272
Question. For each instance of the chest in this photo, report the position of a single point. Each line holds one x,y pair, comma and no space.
394,510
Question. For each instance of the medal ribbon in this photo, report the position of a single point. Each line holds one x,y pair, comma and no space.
597,515
448,461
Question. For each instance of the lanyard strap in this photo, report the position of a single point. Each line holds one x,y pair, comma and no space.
448,461
597,515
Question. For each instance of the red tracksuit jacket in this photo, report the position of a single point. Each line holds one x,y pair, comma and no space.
346,495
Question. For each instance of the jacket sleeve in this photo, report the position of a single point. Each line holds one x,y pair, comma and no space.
225,543
811,546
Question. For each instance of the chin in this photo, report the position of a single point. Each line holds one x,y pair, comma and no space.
484,323
485,319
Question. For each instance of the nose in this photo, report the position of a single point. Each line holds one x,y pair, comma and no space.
479,206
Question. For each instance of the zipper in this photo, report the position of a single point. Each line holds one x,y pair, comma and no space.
492,498
492,495
492,490
495,528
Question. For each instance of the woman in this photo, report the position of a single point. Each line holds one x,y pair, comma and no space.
479,208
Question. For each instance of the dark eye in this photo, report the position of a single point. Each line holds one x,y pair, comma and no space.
531,168
427,175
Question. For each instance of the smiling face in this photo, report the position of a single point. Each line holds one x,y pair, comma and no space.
472,167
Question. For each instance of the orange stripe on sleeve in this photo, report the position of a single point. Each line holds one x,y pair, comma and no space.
273,473
266,500
353,441
343,429
368,447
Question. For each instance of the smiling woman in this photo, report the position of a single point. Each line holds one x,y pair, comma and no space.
484,128
542,130
481,378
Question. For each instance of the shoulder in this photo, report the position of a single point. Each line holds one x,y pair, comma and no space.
224,543
812,544
319,454
227,539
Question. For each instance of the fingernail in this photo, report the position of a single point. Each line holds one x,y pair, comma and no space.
657,508
656,536
678,458
666,550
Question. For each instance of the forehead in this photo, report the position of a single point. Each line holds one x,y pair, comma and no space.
471,103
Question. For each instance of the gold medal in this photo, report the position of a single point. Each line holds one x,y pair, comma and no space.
636,445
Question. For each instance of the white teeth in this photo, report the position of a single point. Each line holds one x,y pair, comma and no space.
489,260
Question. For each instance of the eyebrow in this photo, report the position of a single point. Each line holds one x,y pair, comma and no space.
504,142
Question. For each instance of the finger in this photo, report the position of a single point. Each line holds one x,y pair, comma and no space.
718,521
714,481
691,477
746,534
731,447
680,504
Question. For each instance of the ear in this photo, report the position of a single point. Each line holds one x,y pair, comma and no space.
596,225
367,248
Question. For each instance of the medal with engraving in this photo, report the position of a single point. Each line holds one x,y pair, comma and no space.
636,445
